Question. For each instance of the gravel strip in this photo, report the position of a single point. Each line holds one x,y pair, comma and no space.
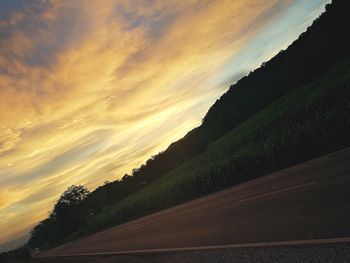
339,253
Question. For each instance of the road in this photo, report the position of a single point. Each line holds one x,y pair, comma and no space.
305,202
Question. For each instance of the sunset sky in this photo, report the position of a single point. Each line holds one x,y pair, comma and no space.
91,89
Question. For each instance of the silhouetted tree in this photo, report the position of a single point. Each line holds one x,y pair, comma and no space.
69,212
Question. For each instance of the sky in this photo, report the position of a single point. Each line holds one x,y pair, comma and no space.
91,89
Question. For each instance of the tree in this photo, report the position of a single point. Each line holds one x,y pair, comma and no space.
73,196
68,214
69,211
43,235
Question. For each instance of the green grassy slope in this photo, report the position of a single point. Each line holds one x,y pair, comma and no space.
307,122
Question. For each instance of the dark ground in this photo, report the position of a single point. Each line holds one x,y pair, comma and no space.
339,253
307,201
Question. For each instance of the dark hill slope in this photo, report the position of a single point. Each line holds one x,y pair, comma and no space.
325,44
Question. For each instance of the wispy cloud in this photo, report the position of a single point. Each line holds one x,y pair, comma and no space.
91,89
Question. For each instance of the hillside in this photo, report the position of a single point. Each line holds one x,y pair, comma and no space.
293,108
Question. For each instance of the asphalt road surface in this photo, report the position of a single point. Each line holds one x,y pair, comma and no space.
309,201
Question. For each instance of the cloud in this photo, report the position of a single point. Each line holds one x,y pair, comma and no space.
92,89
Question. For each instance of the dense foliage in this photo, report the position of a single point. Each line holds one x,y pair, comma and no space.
68,215
293,108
